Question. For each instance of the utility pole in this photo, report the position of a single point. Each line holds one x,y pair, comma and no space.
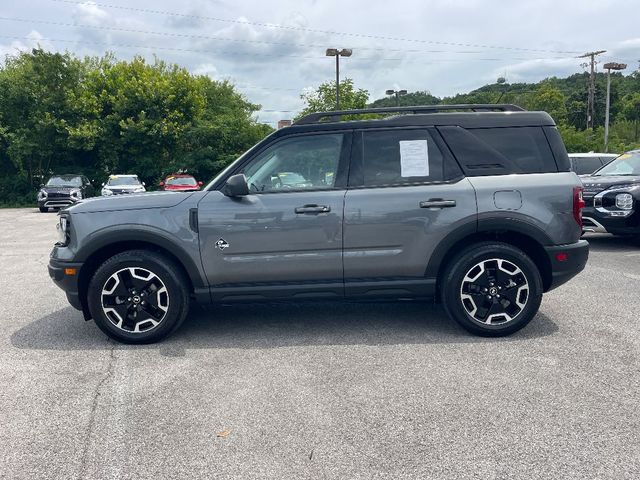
397,93
609,66
591,109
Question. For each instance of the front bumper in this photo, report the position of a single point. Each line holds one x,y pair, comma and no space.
566,261
598,220
60,274
58,202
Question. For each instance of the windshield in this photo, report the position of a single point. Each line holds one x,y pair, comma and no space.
118,180
64,182
181,181
626,164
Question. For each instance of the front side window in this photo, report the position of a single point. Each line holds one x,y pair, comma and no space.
398,157
296,163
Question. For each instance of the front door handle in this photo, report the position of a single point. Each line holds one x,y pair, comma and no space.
313,209
437,203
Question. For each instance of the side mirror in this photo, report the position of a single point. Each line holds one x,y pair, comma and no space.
200,183
103,184
161,184
144,184
236,186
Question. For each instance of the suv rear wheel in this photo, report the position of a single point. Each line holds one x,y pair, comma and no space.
492,289
138,296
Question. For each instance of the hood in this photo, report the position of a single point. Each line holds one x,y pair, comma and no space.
181,187
606,181
129,202
122,187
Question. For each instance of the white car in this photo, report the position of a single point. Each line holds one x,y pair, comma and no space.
587,163
122,184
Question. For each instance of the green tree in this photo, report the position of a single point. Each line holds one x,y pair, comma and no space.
631,111
323,99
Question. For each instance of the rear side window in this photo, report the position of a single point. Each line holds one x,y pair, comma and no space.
500,151
401,157
527,147
585,165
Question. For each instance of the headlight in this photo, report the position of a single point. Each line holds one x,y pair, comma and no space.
139,189
42,194
106,191
63,230
624,201
76,194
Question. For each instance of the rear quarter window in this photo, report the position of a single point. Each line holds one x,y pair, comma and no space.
500,151
527,147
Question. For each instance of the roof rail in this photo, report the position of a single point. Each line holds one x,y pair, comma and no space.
337,115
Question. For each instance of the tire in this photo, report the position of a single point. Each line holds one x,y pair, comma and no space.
43,209
491,289
139,281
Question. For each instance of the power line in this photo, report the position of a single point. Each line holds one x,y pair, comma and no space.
260,54
234,40
314,30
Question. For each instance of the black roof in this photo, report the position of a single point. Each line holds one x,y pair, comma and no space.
466,116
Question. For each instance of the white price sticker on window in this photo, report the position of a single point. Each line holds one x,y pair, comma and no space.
414,158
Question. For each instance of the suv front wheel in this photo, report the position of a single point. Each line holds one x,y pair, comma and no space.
491,289
138,296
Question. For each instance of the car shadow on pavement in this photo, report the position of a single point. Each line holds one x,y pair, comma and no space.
603,242
273,325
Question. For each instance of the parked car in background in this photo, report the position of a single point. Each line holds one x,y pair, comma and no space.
587,163
122,184
180,182
612,197
475,208
63,190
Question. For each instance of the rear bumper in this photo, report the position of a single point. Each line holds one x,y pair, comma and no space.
567,261
67,282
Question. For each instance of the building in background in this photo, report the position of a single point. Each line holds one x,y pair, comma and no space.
283,123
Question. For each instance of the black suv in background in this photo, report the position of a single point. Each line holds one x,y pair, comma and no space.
612,197
64,190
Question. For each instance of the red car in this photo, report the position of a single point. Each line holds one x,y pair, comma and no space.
180,183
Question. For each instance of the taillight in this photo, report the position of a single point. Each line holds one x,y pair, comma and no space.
578,205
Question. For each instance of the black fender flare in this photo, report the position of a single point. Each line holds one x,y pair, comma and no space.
509,223
142,233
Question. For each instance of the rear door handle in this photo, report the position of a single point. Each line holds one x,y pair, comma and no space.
437,203
313,209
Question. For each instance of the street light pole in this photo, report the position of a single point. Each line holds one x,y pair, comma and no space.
609,66
337,82
334,52
397,94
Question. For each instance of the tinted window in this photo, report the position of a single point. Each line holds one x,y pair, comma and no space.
393,157
526,147
585,165
297,163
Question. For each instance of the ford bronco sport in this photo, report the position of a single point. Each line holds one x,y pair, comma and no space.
471,205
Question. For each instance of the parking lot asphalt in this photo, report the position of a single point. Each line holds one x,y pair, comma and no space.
322,390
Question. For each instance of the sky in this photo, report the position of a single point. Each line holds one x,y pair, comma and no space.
273,51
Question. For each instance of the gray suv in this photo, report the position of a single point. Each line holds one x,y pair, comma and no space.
474,206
